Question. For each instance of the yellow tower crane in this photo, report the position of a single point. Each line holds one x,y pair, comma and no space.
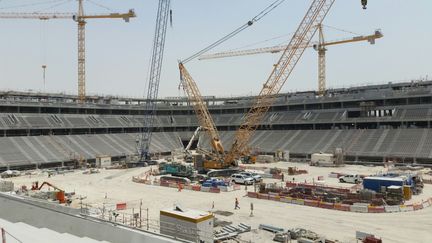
320,47
80,18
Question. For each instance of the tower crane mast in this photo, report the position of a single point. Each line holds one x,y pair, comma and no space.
163,13
80,18
281,71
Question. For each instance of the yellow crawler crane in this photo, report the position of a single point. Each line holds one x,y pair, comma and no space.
281,72
205,120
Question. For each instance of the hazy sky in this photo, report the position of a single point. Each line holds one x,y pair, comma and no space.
118,53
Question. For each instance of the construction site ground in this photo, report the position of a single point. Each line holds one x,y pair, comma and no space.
115,186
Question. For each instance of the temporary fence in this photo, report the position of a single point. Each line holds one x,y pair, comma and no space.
192,187
356,207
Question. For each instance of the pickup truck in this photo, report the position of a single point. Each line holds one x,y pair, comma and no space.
255,176
242,179
350,179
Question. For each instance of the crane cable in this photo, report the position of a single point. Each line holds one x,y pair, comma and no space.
100,5
341,30
30,4
259,16
59,3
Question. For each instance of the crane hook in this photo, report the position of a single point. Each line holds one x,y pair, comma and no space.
364,3
171,18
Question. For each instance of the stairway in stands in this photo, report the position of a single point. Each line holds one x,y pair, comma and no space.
21,233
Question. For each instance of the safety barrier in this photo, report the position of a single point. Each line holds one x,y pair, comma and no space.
376,209
224,188
406,208
196,188
215,190
193,187
311,203
187,187
417,206
357,207
326,205
205,189
274,197
286,199
297,201
392,209
342,207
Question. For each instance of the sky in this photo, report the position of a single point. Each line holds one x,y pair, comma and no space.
118,53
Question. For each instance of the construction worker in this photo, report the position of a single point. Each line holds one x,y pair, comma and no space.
236,204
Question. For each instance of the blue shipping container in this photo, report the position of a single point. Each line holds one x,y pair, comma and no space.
375,183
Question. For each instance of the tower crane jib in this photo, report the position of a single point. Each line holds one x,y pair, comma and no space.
80,18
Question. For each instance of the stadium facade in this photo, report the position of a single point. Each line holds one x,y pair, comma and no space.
371,124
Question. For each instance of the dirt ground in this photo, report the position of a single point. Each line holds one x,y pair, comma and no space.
114,186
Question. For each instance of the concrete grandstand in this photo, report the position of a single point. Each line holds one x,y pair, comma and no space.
370,123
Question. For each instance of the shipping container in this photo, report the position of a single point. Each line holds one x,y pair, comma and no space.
376,183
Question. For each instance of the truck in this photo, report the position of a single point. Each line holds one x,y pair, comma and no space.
377,183
350,179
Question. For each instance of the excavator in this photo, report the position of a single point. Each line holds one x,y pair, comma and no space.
218,158
60,195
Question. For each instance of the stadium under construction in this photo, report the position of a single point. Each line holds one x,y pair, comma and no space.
326,165
372,124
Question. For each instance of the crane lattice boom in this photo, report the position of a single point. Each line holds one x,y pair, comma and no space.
281,71
205,119
154,77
